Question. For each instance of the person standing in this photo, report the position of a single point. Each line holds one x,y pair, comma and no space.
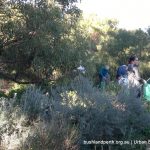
122,75
133,70
104,76
134,77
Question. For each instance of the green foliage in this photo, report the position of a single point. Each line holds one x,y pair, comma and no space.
113,46
38,40
2,94
17,92
40,37
113,88
42,42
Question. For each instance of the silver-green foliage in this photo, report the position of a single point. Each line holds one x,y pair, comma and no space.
100,116
33,102
78,112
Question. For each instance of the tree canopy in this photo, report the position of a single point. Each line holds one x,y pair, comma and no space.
41,37
37,38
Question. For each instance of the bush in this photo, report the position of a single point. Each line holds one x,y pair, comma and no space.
101,116
55,135
77,112
33,102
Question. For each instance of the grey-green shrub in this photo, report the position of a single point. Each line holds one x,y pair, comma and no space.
81,110
34,102
101,116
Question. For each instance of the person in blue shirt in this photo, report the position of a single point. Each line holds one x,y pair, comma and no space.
122,71
122,75
104,75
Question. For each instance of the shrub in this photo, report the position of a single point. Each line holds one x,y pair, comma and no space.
55,135
101,116
33,102
77,112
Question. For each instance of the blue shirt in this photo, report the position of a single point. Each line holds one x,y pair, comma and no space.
122,71
103,72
